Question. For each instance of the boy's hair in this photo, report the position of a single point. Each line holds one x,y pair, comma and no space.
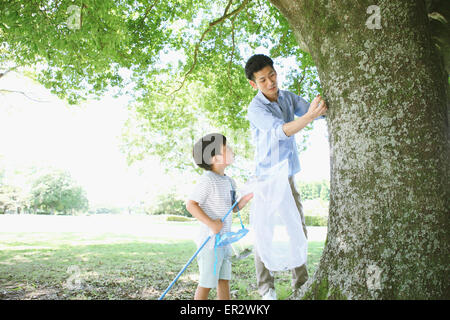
206,148
255,63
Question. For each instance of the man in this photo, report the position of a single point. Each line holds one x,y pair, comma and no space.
271,115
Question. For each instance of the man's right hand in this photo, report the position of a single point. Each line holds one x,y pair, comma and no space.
317,108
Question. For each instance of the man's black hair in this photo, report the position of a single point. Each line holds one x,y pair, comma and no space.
256,63
206,148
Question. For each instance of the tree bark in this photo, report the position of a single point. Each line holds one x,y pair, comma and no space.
385,86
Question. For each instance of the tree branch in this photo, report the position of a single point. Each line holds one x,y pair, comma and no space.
231,58
212,24
230,2
23,93
147,11
8,70
300,82
233,48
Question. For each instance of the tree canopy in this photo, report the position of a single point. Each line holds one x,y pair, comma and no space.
181,61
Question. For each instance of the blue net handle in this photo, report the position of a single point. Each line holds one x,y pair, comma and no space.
240,219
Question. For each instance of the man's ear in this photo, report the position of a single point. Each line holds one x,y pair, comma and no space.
253,84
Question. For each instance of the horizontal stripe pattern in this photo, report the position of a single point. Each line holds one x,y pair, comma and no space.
213,194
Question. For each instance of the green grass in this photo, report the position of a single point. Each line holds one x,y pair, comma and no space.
110,266
244,277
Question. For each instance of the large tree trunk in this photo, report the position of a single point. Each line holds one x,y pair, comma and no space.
388,229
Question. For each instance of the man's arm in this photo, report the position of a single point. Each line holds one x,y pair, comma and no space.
243,202
316,109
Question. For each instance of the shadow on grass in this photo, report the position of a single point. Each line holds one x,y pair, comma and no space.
131,270
74,266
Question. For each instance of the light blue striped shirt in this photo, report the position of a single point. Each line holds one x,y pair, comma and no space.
212,193
266,124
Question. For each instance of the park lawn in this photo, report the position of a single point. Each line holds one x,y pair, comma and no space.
83,266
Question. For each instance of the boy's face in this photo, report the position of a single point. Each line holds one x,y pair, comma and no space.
226,157
266,82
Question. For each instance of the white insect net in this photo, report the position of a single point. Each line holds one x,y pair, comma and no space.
275,221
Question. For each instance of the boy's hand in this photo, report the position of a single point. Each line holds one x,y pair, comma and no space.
216,226
197,212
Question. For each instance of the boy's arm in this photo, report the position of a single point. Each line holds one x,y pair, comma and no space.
197,212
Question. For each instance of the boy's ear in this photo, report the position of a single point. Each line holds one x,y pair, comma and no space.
216,159
253,84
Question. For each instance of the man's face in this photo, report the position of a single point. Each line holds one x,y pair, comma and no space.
266,82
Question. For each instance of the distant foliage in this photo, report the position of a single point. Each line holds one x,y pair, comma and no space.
316,221
178,219
50,191
316,212
105,210
169,203
12,199
56,192
315,190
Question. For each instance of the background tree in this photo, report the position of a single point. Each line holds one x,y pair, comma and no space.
10,199
169,203
56,192
383,68
324,191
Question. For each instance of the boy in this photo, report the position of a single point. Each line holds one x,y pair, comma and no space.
211,199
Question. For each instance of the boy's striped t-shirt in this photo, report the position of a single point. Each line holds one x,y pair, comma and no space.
213,194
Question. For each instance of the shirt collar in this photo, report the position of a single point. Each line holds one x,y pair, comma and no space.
263,98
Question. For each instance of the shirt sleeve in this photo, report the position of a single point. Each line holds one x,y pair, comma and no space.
201,190
265,121
301,107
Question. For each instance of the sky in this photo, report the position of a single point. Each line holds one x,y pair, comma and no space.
85,140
